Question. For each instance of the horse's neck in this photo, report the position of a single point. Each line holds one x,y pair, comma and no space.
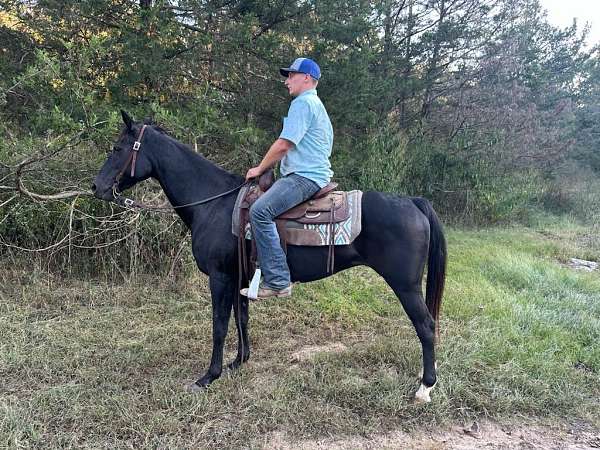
186,176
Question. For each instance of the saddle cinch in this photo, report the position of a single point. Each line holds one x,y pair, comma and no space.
314,222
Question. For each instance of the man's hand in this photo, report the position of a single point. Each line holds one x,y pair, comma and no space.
253,173
277,151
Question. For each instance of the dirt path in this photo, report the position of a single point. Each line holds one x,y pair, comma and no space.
485,435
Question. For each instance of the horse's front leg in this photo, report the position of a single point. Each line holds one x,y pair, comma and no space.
241,320
222,288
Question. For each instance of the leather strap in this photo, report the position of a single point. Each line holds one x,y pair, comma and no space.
132,157
280,225
136,148
331,249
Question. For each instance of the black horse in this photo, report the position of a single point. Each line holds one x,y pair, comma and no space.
399,236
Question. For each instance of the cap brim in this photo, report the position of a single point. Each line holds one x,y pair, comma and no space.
284,71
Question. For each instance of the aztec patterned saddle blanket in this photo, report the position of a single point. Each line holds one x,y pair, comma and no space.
329,218
333,219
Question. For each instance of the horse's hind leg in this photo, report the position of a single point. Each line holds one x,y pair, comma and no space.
414,305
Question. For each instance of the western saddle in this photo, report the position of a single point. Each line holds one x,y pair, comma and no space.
327,207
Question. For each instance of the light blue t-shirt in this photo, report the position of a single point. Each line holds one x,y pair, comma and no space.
307,125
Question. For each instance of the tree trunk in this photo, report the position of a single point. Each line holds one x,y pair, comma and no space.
406,71
432,68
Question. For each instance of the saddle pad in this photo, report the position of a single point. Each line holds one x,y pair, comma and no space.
319,234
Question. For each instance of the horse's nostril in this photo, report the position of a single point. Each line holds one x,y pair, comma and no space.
93,188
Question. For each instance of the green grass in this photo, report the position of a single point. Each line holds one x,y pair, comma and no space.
100,365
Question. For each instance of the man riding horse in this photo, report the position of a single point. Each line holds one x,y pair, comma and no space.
399,236
303,147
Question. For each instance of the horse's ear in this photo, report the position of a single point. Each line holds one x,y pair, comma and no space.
127,119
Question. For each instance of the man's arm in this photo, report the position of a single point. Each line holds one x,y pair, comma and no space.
277,151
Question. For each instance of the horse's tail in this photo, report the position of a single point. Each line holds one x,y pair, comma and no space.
436,264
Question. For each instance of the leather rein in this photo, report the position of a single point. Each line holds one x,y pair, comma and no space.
130,203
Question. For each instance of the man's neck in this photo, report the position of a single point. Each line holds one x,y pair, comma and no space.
310,88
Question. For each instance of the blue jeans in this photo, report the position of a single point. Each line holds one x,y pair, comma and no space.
286,193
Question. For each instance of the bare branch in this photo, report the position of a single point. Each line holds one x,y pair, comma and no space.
32,250
8,201
59,196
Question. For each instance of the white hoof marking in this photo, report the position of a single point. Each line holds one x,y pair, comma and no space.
422,395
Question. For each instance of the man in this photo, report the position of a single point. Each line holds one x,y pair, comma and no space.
303,147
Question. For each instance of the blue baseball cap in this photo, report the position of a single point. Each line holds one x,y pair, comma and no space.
303,65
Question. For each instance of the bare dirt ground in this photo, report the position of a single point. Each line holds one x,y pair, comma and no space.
484,435
474,435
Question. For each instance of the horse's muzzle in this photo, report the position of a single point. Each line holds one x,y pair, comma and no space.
102,194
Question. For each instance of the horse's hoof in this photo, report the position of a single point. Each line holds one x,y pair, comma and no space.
422,395
195,388
234,365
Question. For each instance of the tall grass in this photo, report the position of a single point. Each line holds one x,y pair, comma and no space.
101,365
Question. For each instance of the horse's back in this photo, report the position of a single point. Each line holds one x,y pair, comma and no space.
392,214
395,233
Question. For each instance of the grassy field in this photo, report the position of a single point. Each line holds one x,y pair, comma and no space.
93,364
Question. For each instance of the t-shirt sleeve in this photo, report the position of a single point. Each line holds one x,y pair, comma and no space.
297,122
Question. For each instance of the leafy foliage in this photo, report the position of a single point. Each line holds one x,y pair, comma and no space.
479,105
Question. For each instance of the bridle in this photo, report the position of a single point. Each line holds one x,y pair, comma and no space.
130,203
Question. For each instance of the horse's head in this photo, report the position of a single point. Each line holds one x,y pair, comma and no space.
126,164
